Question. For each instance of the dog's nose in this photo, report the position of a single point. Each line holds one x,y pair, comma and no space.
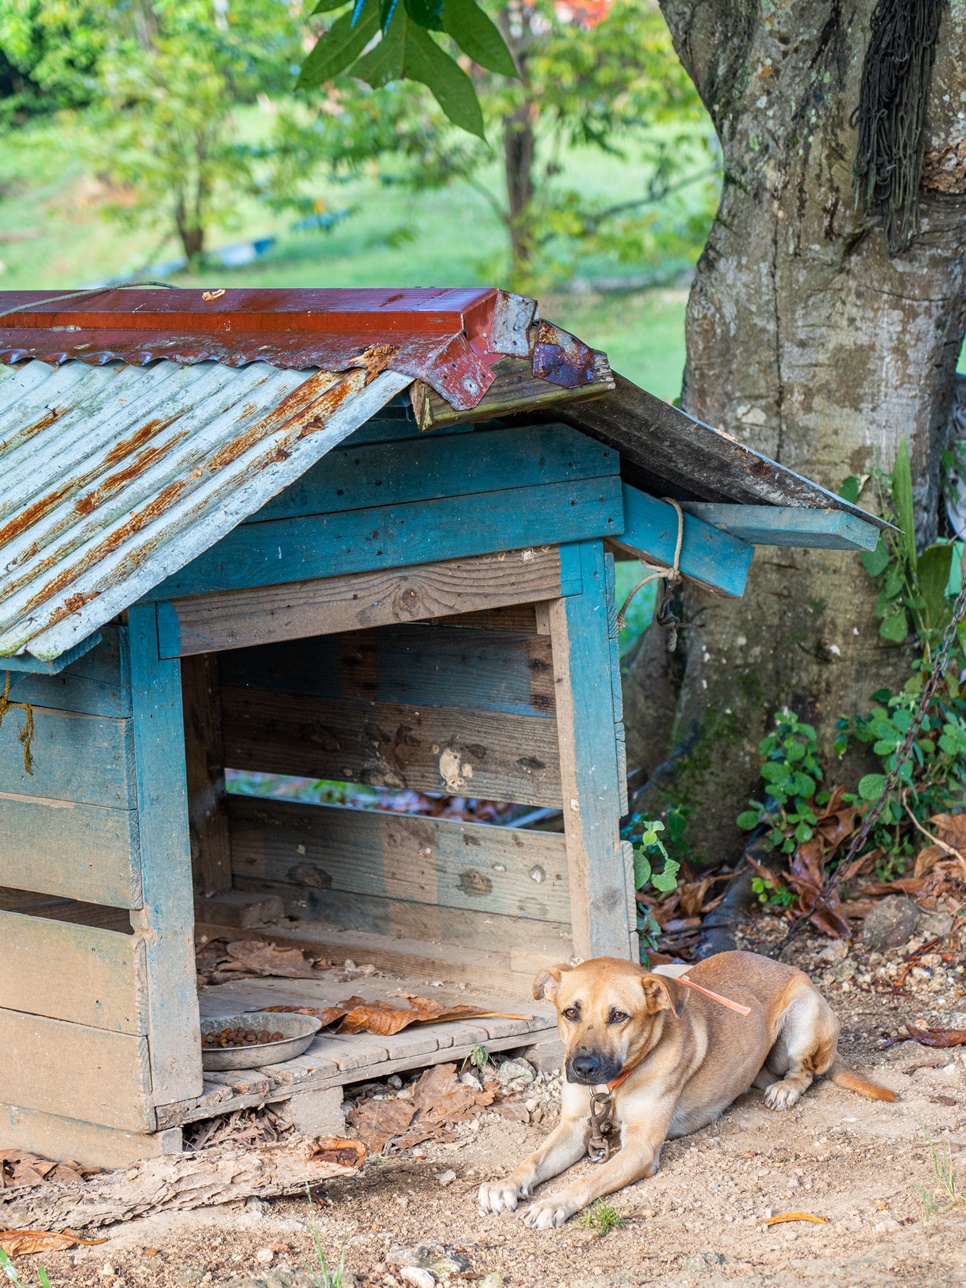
586,1066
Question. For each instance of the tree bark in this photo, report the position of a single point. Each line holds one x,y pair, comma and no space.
808,341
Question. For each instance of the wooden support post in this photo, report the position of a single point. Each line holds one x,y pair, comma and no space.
205,773
600,864
167,918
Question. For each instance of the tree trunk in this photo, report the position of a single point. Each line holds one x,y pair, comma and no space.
808,341
519,152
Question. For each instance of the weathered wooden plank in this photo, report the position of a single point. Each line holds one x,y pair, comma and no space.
96,684
431,923
50,1136
512,969
205,775
75,1071
85,759
56,847
167,917
445,666
616,688
74,911
314,849
715,559
236,619
70,972
774,525
437,749
426,468
515,390
394,536
586,718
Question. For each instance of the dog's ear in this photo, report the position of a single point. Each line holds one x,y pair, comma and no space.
547,982
664,993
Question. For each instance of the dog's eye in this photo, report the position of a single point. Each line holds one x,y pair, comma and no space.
571,1013
618,1017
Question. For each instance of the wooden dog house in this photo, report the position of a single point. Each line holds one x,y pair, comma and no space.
362,536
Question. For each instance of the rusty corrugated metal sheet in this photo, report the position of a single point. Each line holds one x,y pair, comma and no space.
112,477
449,338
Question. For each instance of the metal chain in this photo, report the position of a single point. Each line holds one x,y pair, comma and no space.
892,779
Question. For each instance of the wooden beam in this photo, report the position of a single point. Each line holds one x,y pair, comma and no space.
716,560
326,605
70,851
600,867
307,852
87,760
516,389
395,536
51,1136
70,972
36,666
436,749
447,666
75,1071
166,920
95,685
205,775
783,525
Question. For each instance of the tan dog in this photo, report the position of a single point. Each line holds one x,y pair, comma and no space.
672,1060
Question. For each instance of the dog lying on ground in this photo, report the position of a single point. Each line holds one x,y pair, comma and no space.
663,1060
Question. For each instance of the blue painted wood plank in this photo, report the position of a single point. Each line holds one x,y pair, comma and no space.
617,693
70,851
167,918
438,666
716,559
287,550
775,525
85,759
428,468
37,666
601,882
96,684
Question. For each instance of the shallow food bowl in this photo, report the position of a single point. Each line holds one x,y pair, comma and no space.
299,1031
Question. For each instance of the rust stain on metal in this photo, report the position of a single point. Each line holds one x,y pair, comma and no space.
125,446
561,359
26,518
376,359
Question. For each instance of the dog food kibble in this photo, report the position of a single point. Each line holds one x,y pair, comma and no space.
240,1037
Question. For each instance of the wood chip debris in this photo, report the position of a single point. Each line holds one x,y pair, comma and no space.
794,1216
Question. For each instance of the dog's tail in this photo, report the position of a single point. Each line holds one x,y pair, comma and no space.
843,1076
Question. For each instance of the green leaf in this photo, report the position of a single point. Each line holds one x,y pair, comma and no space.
849,491
385,63
449,84
895,628
340,46
477,36
803,832
902,496
875,561
329,6
668,878
932,570
882,695
426,13
870,786
642,869
748,820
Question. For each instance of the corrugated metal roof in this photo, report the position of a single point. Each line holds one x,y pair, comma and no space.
113,477
449,338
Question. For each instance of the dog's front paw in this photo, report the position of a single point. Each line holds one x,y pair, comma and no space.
549,1212
782,1095
501,1196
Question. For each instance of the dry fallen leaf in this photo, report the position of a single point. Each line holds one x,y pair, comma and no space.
255,956
927,1037
18,1168
386,1018
327,1014
795,1216
380,1121
17,1242
334,1149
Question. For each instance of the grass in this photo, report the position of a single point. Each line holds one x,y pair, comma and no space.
945,1194
9,1271
603,1217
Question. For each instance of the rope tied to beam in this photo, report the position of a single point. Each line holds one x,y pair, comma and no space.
25,736
670,576
891,114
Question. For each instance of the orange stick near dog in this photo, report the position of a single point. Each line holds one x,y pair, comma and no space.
667,1060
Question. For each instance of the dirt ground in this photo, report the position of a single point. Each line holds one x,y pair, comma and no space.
865,1167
